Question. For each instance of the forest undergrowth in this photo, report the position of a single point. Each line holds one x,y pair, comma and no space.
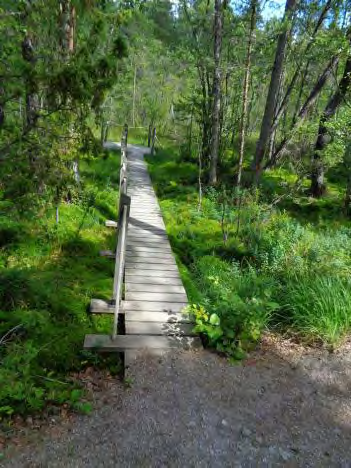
49,273
250,264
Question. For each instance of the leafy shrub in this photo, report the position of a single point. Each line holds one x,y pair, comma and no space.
237,305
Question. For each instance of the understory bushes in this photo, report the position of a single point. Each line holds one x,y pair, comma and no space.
254,266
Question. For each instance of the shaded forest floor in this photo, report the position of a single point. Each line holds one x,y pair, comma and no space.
285,406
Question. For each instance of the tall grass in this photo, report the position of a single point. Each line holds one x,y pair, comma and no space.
319,307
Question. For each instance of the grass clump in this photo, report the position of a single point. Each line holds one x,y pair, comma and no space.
318,308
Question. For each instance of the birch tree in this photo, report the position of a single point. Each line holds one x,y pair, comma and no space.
216,89
245,90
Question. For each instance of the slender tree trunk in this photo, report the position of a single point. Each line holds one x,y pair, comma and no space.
2,106
300,94
243,123
317,175
32,101
68,27
216,90
273,90
284,102
134,93
307,106
347,164
205,114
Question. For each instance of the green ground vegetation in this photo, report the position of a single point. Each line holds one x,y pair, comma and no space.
49,272
250,264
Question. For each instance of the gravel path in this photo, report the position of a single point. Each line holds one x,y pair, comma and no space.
285,406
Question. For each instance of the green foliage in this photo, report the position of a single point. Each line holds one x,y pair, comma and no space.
318,307
240,299
48,274
247,281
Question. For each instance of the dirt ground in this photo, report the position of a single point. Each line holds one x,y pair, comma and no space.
286,405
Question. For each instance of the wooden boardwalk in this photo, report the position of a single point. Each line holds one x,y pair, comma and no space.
154,296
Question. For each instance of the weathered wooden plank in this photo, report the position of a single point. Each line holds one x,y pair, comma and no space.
125,342
142,213
152,279
142,217
153,229
145,220
136,247
151,266
154,316
98,306
159,328
147,233
162,246
151,260
149,224
130,272
156,306
132,249
147,228
148,239
155,296
154,288
147,255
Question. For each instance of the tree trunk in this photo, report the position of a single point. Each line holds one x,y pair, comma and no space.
317,175
273,90
216,90
32,102
134,93
308,104
68,24
205,114
2,106
243,123
68,27
284,102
